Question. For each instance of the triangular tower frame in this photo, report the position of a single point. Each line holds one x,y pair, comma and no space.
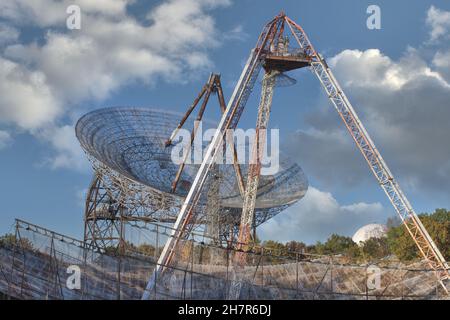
265,55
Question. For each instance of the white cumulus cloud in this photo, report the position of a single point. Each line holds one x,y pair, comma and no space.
67,151
26,98
404,104
43,80
50,13
318,215
439,22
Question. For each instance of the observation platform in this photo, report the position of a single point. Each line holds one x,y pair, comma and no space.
287,61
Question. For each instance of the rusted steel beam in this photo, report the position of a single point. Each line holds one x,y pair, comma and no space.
237,167
208,90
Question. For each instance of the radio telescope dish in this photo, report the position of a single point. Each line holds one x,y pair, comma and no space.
132,143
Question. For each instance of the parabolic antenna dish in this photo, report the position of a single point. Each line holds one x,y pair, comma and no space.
131,141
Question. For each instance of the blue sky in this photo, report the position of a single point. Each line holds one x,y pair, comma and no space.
137,53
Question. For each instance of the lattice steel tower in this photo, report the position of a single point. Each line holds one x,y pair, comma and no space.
276,54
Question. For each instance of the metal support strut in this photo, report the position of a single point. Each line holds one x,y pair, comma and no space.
247,217
411,221
212,86
284,60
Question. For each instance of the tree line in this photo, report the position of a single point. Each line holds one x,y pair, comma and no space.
397,242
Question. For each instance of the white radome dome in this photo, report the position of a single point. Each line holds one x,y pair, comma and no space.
366,232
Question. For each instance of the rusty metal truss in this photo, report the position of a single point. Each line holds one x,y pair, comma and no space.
271,52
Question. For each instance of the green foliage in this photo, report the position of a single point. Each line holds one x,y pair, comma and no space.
375,248
8,239
11,240
274,245
295,246
337,244
398,241
146,249
393,222
277,249
438,226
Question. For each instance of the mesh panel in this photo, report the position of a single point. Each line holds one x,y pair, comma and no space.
35,266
